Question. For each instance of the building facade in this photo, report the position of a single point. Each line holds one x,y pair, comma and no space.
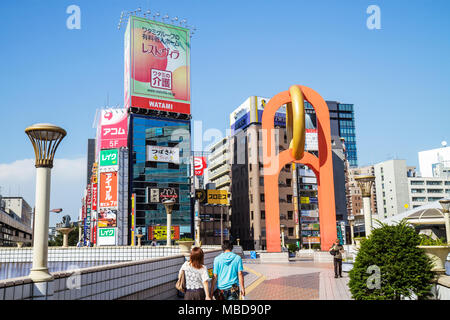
426,189
13,230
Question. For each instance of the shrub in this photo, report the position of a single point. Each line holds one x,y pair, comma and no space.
428,241
405,270
292,247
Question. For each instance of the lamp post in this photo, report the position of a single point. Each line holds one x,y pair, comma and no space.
168,204
365,184
445,203
45,139
351,220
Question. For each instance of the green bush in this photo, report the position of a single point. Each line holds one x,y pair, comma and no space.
186,239
405,270
292,247
428,241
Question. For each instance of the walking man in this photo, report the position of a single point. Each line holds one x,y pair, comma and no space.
228,274
337,250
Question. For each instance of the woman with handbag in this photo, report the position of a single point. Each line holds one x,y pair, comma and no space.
193,277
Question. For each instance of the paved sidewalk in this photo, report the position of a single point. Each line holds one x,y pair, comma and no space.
298,280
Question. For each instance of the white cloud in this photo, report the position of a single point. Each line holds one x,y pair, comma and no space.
68,181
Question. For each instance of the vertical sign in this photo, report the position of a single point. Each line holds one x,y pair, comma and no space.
108,189
199,165
133,206
94,197
113,129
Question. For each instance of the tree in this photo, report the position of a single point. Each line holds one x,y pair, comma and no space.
389,265
58,241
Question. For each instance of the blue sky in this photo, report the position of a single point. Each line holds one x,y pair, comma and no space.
398,77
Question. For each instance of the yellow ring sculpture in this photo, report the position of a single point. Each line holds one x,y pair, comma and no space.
295,122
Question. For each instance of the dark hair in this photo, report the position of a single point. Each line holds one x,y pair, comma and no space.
196,258
227,245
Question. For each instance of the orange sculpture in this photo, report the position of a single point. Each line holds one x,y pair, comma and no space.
322,165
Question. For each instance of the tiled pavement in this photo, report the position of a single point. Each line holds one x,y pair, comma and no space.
299,280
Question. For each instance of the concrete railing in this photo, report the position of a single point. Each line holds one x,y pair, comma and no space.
144,279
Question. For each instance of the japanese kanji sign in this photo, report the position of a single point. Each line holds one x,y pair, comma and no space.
163,154
158,195
160,232
107,236
108,190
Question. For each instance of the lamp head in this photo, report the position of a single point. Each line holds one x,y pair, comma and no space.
445,203
45,139
168,203
365,184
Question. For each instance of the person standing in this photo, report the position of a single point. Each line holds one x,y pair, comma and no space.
337,250
79,244
196,275
228,273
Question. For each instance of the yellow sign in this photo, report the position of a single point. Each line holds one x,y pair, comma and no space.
304,200
160,232
217,197
210,272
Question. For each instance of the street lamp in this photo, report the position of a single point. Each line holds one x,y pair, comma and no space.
168,204
445,203
45,139
365,184
351,219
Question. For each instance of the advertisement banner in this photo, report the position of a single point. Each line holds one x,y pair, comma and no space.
107,236
133,215
304,200
109,157
94,197
157,65
307,240
158,195
163,154
311,140
113,128
107,218
217,197
199,165
160,232
108,190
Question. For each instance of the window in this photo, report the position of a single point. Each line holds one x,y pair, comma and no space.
291,232
288,182
290,215
251,214
262,197
263,214
289,198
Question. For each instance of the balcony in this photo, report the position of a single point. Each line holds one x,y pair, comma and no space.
218,173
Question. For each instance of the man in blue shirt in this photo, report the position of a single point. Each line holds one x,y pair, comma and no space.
228,273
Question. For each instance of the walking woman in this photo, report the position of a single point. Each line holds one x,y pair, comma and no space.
196,275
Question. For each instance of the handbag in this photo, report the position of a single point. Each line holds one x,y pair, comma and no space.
181,283
333,252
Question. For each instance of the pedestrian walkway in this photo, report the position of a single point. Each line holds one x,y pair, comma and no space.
297,280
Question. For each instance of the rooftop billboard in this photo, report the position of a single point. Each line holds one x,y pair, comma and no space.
157,62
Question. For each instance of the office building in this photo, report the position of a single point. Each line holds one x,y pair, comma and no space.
425,189
391,184
13,230
429,159
19,207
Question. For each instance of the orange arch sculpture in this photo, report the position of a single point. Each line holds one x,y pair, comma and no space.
322,167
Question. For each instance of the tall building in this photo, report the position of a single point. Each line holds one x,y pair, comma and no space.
426,189
19,207
391,184
13,228
148,135
342,122
219,168
90,159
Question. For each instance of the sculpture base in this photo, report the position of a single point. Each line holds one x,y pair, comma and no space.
40,275
274,257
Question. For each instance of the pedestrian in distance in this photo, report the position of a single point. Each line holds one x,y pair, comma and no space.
337,250
196,276
154,243
79,244
88,243
228,274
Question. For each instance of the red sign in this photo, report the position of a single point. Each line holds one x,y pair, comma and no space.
160,232
108,189
161,105
114,135
94,197
199,165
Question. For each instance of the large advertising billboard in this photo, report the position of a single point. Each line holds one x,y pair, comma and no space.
163,154
157,62
160,232
108,190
